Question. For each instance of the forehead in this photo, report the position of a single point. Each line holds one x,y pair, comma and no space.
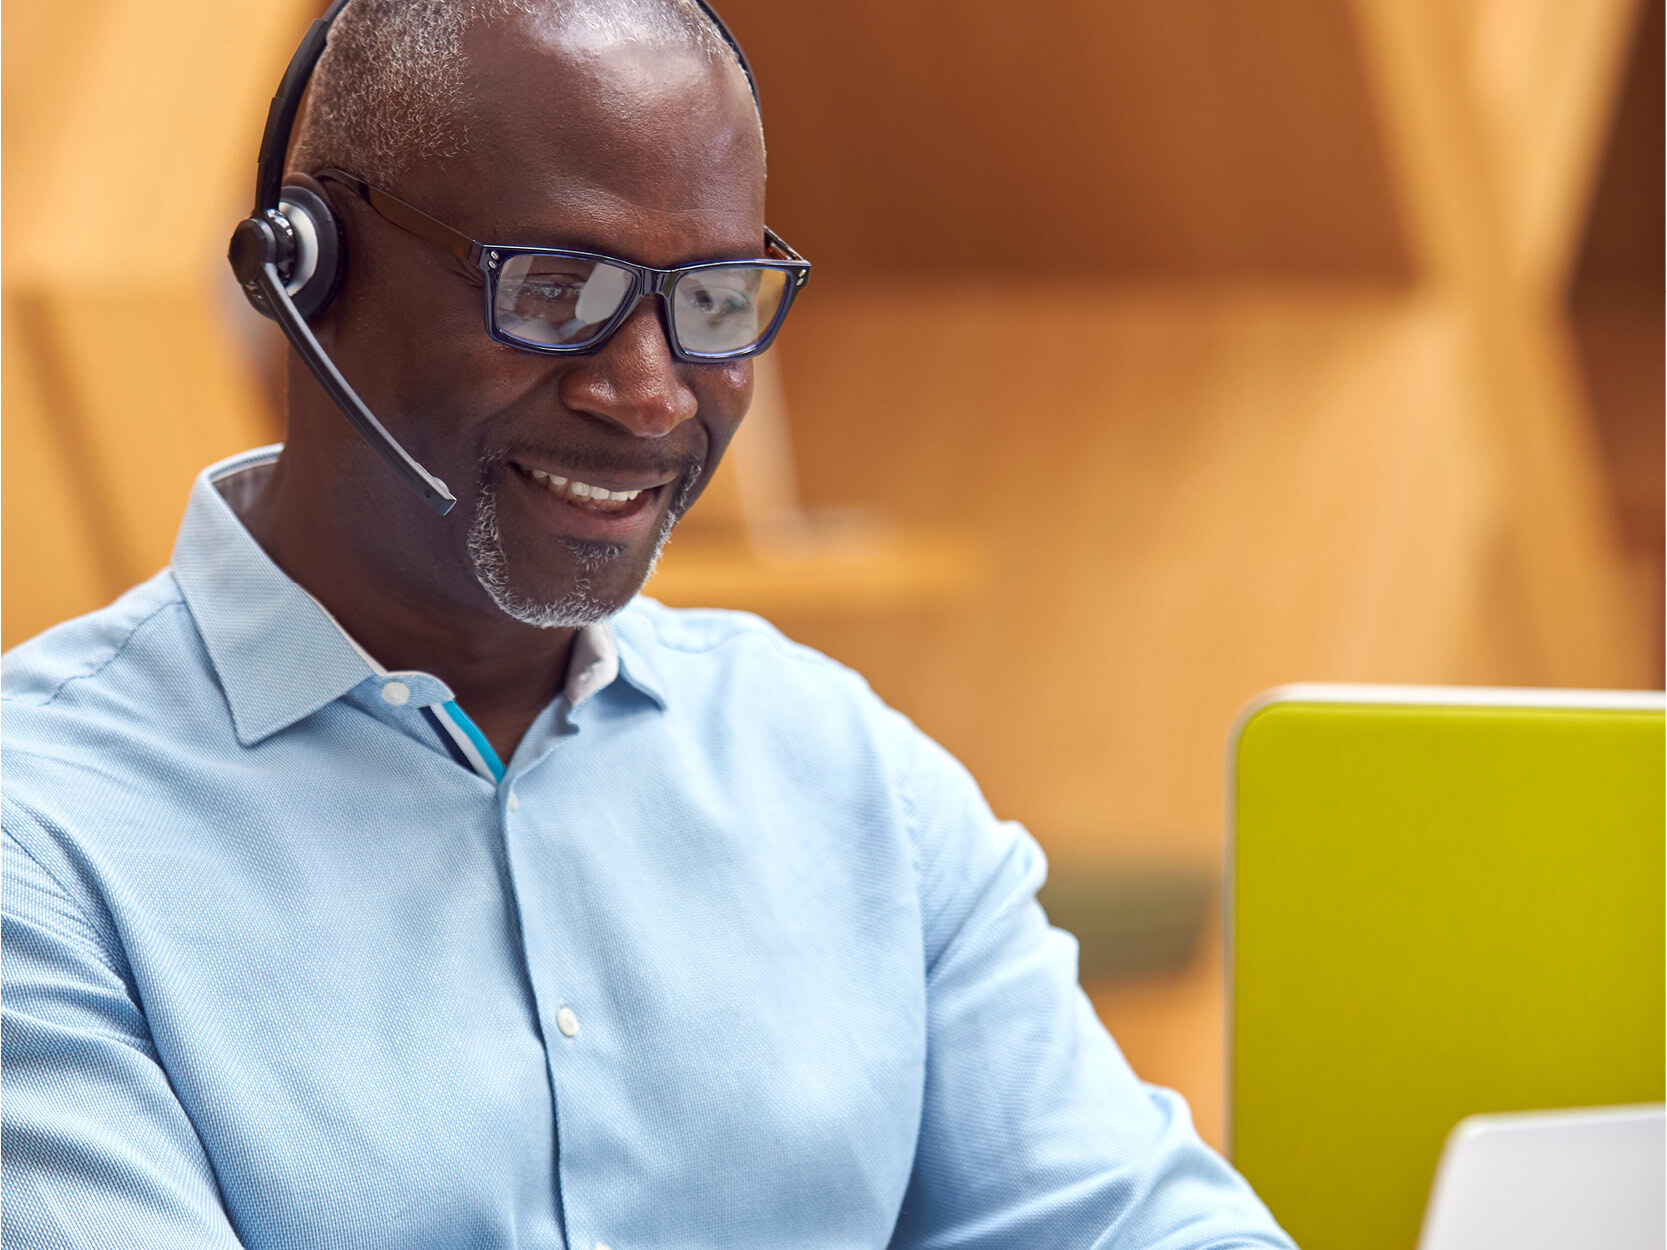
585,139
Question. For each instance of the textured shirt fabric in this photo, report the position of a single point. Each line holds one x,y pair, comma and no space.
727,955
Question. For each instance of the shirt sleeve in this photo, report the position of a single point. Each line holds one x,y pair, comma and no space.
1035,1132
97,1150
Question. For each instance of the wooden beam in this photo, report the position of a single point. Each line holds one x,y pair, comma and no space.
1545,76
1558,539
135,158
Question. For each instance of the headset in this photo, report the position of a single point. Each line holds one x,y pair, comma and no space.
290,254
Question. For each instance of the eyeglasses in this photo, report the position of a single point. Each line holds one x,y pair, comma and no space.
565,302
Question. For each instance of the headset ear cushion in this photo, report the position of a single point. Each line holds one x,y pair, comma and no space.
320,248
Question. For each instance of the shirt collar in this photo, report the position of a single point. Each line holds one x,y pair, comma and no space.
634,640
279,654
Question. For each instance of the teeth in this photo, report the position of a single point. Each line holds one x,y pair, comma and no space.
569,489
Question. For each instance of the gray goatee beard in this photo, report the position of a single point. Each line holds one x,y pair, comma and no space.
579,606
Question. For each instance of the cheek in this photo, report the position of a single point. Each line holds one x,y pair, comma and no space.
725,397
411,328
725,393
426,365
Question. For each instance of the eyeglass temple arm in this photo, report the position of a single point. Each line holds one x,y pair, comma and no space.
408,218
774,240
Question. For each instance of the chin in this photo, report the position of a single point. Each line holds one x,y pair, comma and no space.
595,581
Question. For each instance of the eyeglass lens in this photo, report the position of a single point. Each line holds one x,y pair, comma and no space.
567,301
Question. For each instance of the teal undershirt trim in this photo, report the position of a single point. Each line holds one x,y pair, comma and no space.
461,719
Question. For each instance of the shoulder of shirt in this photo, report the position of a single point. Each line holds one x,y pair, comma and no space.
37,672
676,638
743,670
696,631
756,681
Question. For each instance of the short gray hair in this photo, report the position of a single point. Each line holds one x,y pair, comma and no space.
390,90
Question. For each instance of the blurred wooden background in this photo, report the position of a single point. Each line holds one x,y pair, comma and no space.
1159,351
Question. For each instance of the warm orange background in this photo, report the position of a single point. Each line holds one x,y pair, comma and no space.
1158,351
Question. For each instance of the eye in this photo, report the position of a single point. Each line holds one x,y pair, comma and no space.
721,301
719,298
551,287
551,291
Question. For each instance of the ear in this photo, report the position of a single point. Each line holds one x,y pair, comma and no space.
320,259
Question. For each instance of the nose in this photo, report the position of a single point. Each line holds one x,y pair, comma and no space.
633,381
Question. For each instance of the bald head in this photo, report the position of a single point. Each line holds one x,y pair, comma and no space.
396,87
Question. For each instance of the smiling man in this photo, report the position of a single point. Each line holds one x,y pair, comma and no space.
623,130
387,878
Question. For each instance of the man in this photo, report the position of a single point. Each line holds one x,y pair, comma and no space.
381,878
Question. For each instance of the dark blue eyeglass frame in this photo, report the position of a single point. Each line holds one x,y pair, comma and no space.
490,258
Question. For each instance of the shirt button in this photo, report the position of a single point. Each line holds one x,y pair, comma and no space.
602,1245
396,693
567,1022
514,803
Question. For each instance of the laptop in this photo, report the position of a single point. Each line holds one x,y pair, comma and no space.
1443,901
1555,1180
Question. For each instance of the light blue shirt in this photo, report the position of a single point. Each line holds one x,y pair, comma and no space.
728,955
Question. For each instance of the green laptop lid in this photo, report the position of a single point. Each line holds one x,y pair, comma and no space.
1442,902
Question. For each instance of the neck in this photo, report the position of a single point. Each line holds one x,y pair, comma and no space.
502,671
